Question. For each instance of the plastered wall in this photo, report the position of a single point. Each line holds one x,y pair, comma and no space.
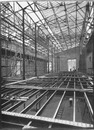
61,63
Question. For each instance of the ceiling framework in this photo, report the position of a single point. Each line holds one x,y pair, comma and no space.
67,24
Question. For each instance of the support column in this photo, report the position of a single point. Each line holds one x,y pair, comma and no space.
93,63
93,75
58,63
35,50
48,61
55,64
52,60
6,60
0,65
47,39
23,48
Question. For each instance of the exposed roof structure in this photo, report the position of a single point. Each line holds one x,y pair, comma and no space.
63,22
46,70
44,102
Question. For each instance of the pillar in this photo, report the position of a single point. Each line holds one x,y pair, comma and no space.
35,49
0,65
23,48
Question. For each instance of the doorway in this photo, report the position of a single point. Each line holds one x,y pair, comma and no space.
71,64
17,68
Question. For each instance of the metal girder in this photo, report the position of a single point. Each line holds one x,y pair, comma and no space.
71,81
6,103
63,15
76,26
70,29
23,47
93,63
38,18
74,103
18,28
56,18
36,5
62,10
46,103
47,39
57,5
83,32
74,21
0,67
35,101
45,21
30,16
13,13
67,22
87,100
69,13
14,107
46,119
36,49
79,11
60,89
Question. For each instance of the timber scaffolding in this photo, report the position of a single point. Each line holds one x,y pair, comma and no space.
44,101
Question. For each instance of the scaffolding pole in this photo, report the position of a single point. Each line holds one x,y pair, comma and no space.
93,75
35,50
93,63
0,65
23,47
52,60
47,39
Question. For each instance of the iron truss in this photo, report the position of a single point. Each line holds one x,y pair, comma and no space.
66,24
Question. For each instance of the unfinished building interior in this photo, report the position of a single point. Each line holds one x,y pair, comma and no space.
47,67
